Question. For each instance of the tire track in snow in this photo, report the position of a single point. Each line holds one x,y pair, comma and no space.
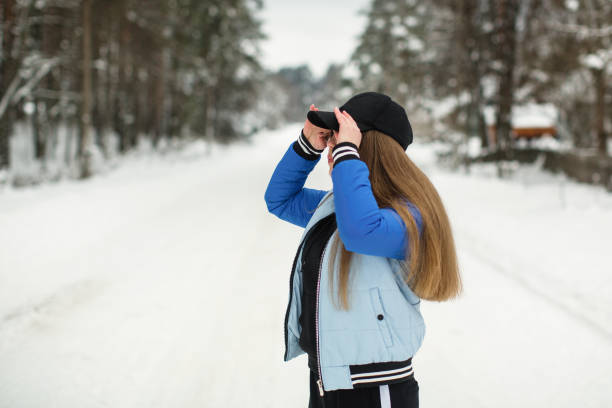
56,305
484,252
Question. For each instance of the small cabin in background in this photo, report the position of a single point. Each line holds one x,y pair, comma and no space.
529,121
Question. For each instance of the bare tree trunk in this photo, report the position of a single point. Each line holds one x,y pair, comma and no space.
121,94
471,41
111,88
86,136
174,100
135,94
482,125
482,47
51,38
96,80
158,96
600,107
38,136
506,15
100,84
207,117
8,69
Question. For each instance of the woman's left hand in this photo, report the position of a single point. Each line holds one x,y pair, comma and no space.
349,131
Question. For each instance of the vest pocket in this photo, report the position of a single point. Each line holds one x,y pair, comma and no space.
380,316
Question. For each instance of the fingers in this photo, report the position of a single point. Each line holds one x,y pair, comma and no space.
342,115
345,117
339,116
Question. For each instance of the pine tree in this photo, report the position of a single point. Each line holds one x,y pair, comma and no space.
391,56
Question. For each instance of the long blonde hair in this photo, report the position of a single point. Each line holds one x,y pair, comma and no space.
433,271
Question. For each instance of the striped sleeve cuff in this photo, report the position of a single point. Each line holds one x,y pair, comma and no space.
303,147
345,151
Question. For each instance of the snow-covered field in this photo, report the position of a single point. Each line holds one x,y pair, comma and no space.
164,284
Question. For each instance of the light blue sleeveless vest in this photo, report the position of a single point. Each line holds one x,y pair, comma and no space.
357,336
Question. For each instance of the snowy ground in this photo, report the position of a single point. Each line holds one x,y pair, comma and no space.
164,284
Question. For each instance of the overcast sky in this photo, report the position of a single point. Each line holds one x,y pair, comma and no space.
316,32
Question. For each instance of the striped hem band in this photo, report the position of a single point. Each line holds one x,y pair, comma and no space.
366,375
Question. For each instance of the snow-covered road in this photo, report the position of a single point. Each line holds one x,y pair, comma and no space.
165,282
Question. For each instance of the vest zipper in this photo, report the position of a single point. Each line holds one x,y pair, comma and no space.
320,380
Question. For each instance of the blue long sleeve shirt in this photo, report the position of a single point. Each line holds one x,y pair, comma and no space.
362,225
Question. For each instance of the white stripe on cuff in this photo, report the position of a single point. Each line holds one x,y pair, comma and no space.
304,144
343,151
304,147
337,156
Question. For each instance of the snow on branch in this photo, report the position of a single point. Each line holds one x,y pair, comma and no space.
39,67
582,31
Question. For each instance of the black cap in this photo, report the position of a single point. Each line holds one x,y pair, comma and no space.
371,110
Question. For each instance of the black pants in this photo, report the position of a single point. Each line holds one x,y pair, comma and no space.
404,394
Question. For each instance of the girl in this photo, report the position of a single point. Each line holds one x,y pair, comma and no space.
372,248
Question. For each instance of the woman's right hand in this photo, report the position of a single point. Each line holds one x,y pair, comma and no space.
316,136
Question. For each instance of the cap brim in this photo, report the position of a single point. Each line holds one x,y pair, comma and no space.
323,119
